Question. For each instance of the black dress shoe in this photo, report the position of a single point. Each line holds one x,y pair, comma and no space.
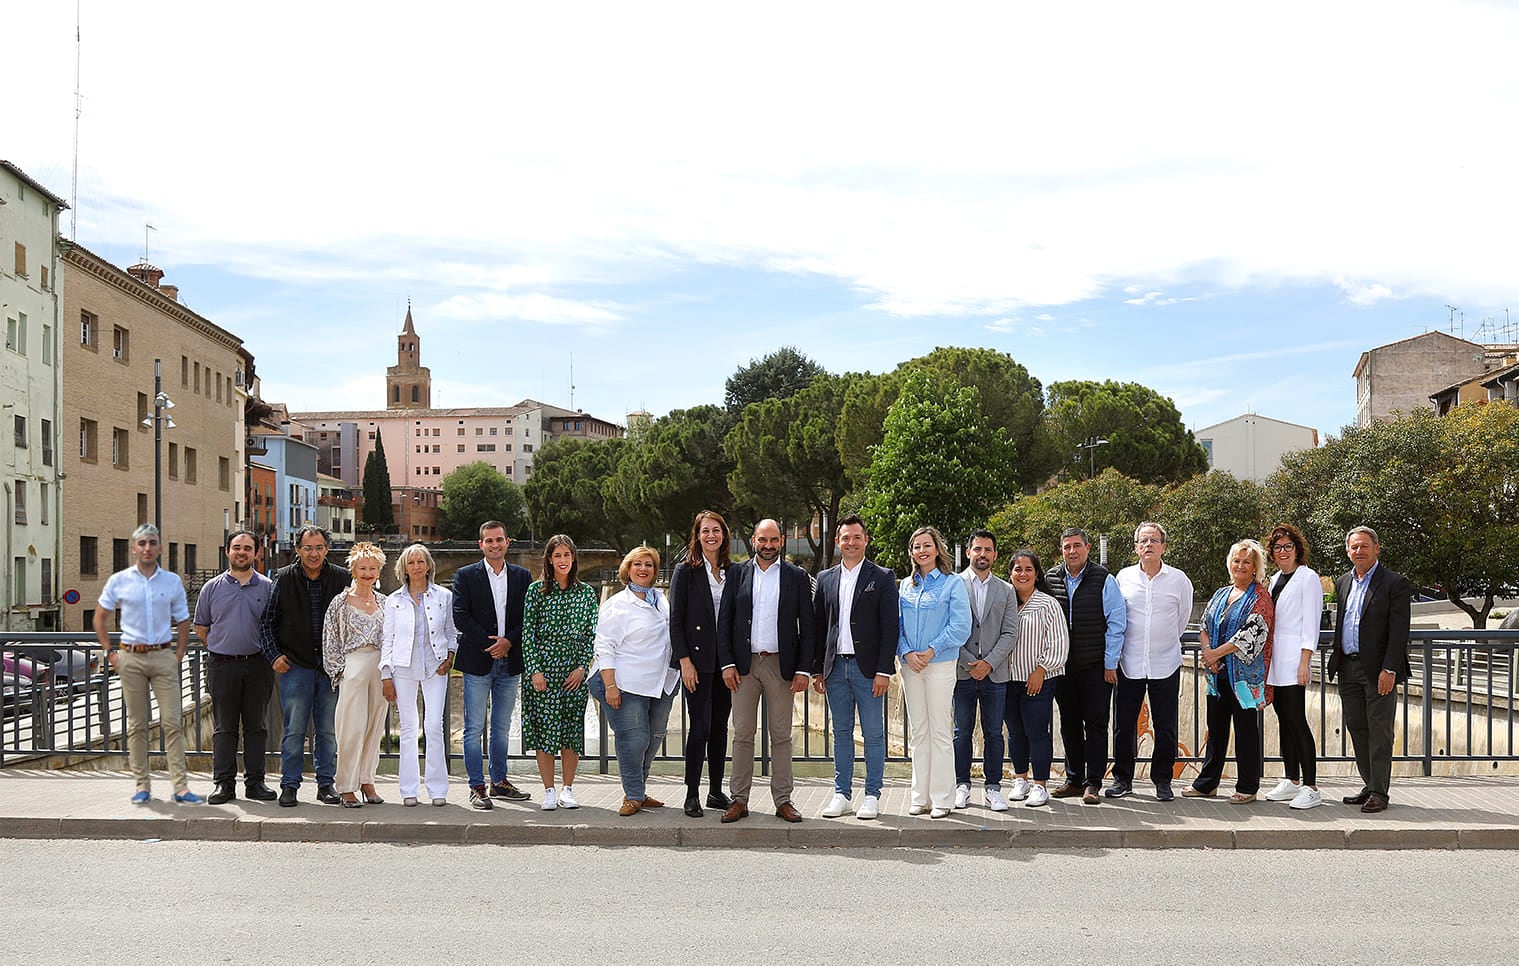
258,792
287,796
1163,793
224,793
327,795
716,799
1374,803
693,807
1359,798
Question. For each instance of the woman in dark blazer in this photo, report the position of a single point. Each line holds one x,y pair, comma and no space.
696,593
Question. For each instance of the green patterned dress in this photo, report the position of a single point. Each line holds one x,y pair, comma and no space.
558,631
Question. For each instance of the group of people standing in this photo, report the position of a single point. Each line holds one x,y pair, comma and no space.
970,645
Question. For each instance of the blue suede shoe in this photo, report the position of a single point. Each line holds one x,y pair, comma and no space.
141,798
188,797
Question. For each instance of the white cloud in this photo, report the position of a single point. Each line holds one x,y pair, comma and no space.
1363,293
1002,325
534,307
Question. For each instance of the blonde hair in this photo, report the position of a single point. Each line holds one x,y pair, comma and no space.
942,559
1256,551
632,555
405,557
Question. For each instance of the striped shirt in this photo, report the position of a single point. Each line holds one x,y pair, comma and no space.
1043,639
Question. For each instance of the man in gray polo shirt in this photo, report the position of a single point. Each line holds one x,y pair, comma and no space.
152,604
227,621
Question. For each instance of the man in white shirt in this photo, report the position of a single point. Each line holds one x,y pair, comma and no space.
1158,600
982,673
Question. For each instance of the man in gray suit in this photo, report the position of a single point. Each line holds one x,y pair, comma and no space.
982,670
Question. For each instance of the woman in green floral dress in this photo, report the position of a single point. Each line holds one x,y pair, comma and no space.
558,629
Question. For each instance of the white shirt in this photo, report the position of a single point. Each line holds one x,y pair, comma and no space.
848,580
498,595
978,592
765,632
1299,610
1159,608
716,587
633,639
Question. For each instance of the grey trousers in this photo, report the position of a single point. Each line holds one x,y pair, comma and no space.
1369,718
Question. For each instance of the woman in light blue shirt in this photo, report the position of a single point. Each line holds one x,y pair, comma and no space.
934,621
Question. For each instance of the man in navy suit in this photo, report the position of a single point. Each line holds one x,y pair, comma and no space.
855,609
1372,613
764,641
488,600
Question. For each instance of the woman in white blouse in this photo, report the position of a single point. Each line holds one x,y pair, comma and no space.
417,652
632,679
1299,597
1038,659
351,635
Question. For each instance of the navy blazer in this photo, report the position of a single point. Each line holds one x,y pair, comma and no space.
475,617
795,625
1385,614
872,619
693,622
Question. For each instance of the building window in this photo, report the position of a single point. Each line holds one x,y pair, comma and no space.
119,440
173,461
120,551
47,575
120,344
527,447
507,431
47,442
218,387
437,432
142,509
89,329
89,439
196,369
461,431
10,335
190,558
224,473
371,437
20,259
1207,445
461,447
493,430
190,464
506,447
47,344
45,279
416,395
174,557
89,556
479,430
184,370
21,501
21,432
20,571
42,502
485,447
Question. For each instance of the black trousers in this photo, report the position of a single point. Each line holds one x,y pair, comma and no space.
707,711
1224,712
1085,701
240,689
1165,695
1299,753
1369,717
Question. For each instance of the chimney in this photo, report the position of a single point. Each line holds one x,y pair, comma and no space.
149,275
170,291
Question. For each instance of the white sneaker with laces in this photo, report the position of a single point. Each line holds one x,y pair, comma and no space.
837,805
995,801
962,796
1020,790
869,808
550,800
1037,795
1285,791
567,798
1307,798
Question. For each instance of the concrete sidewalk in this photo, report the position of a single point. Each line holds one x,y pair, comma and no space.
1426,813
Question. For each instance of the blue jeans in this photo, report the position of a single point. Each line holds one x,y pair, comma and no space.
640,728
497,690
307,699
850,691
991,698
1028,727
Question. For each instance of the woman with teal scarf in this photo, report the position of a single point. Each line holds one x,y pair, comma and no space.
1241,616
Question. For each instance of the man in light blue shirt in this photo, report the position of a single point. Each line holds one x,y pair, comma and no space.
155,630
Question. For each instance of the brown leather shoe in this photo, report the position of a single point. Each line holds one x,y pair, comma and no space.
629,807
788,812
1067,790
736,811
1374,803
652,802
1090,797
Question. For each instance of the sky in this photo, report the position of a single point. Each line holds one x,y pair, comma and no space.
1225,202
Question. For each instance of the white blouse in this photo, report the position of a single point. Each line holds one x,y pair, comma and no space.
1298,612
633,639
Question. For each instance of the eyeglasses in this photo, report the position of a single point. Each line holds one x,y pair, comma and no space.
1281,547
312,549
1146,540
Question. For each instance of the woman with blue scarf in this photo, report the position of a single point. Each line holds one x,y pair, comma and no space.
1241,616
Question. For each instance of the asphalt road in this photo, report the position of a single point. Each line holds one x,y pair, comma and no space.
182,902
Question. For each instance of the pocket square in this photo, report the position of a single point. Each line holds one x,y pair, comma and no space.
868,588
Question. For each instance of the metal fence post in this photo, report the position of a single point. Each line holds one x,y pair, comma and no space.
1427,703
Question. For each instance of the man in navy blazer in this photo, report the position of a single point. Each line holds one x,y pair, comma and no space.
764,643
488,601
855,608
1372,612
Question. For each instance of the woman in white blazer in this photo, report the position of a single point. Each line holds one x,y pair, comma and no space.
417,650
1299,598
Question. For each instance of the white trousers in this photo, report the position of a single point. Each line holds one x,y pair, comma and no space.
930,696
434,691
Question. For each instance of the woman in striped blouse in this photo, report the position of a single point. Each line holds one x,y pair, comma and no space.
1038,659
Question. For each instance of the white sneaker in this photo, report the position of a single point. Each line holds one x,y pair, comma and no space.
962,796
995,801
939,813
836,806
1307,798
1020,790
550,800
567,798
1285,791
869,808
1037,795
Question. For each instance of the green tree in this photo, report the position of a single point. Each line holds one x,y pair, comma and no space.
1146,438
565,493
1111,505
677,468
379,515
478,492
786,462
782,373
1204,516
941,462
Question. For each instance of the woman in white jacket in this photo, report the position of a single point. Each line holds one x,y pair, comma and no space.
1299,598
417,650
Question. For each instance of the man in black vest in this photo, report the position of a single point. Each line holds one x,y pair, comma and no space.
1097,615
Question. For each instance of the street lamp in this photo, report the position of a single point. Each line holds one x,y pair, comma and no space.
1091,444
159,421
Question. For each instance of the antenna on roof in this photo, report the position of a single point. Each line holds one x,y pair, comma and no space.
572,380
78,109
145,229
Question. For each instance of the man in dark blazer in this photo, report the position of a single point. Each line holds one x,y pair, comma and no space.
1372,605
488,601
855,609
765,644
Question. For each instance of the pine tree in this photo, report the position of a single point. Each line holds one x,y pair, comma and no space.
378,514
